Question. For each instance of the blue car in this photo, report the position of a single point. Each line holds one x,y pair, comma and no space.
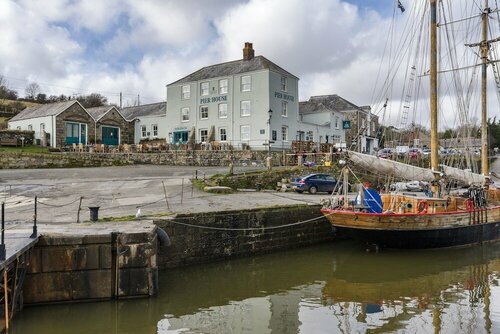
314,183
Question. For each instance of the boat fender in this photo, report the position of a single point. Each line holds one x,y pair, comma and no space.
163,237
422,206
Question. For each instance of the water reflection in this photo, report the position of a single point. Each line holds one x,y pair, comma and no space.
332,288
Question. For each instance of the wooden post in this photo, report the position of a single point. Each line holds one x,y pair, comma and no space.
6,299
434,98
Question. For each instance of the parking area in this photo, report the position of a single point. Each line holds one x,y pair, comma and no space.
64,195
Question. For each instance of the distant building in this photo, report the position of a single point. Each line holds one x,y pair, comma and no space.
321,122
64,123
148,121
246,103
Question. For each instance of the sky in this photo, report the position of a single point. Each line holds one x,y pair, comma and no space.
135,47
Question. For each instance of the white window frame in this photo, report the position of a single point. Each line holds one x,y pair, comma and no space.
222,112
185,112
247,112
201,112
154,130
337,126
204,88
284,133
30,127
42,127
310,136
284,108
245,135
223,85
284,84
203,135
186,92
246,83
223,136
144,131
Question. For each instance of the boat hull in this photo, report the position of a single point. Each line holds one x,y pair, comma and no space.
429,238
450,229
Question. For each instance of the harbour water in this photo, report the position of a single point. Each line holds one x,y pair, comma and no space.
333,288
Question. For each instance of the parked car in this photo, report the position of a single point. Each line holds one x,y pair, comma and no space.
385,153
414,153
316,182
426,152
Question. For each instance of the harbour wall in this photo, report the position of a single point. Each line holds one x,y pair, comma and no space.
214,236
93,262
11,160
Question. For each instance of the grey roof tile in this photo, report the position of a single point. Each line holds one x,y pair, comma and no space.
43,110
153,109
232,68
98,112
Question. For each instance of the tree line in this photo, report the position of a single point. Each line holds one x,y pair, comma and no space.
33,93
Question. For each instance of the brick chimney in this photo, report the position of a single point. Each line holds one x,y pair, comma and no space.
248,52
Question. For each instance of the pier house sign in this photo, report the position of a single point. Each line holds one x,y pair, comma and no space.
284,96
221,98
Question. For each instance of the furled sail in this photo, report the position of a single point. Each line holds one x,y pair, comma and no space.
409,172
461,175
390,167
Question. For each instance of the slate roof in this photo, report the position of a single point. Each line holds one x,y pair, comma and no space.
233,67
322,103
153,109
98,112
43,110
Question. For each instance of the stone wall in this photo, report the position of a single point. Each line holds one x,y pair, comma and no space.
191,245
173,158
113,118
89,265
75,113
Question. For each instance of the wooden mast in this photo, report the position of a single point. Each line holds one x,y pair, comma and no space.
484,114
433,93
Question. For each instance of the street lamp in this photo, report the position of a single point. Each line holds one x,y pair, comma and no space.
269,161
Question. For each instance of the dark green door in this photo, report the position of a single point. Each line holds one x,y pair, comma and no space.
180,137
110,135
76,133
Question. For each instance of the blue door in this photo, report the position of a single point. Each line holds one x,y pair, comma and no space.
76,133
110,135
180,137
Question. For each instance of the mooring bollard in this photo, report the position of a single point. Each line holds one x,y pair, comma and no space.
94,213
2,244
35,232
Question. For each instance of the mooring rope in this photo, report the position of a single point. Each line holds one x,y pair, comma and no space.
248,228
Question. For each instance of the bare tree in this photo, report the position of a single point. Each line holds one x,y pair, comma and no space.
32,90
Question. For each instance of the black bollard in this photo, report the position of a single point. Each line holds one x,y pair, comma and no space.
94,213
35,231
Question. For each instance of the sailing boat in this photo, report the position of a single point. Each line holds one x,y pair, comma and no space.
398,220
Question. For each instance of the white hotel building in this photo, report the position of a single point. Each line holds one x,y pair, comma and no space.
245,103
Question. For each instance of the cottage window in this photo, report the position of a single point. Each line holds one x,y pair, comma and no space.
246,83
204,112
222,134
274,135
310,136
223,110
144,133
223,86
284,84
245,132
154,127
336,122
186,92
284,108
30,127
204,88
203,135
185,114
284,132
245,108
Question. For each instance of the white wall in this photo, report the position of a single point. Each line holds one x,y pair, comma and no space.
149,121
35,123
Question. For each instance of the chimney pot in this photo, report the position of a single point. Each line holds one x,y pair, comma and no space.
248,51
